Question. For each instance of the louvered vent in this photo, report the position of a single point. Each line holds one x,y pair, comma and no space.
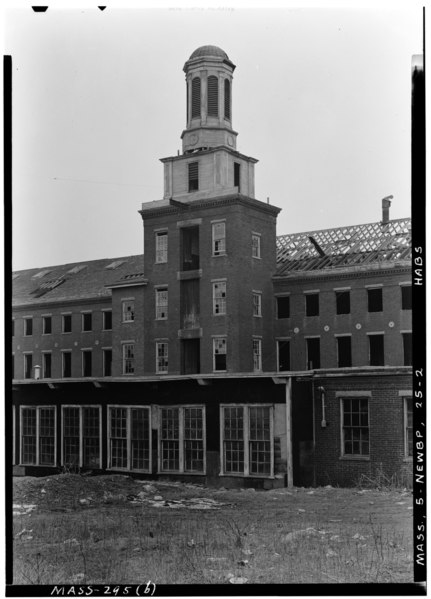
193,176
212,96
196,98
227,99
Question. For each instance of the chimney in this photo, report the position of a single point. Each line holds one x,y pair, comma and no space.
386,204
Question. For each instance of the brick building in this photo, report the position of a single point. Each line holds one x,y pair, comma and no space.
224,354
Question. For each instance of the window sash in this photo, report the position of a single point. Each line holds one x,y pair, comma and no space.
129,438
408,427
219,353
255,246
162,357
128,311
355,427
128,358
219,298
219,238
182,439
257,355
161,304
38,435
81,432
257,304
161,247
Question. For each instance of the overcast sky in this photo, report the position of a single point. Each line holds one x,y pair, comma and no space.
321,97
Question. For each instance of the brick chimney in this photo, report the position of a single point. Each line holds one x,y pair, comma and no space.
386,204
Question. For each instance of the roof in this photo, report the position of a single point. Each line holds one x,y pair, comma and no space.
357,245
208,51
75,281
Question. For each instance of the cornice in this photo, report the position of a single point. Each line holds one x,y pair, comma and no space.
62,302
352,274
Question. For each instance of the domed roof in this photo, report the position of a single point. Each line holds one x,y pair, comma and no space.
209,51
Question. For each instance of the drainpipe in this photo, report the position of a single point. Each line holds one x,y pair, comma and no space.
289,432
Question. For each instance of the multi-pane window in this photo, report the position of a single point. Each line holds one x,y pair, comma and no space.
408,426
219,353
255,245
247,440
406,297
355,426
196,97
313,352
182,443
66,367
257,303
344,351
161,357
407,349
212,83
283,347
161,247
28,327
128,309
219,297
81,436
219,238
46,325
193,176
376,349
66,323
128,358
87,362
107,320
283,306
342,300
161,304
87,321
312,304
38,436
129,438
46,364
107,362
375,299
257,355
28,366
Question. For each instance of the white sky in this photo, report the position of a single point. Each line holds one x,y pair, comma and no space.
321,97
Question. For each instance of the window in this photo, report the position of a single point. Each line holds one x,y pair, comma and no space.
67,323
219,353
107,362
247,440
28,327
81,436
355,427
161,247
128,358
257,303
161,357
86,321
46,325
182,443
129,438
46,364
193,176
107,320
128,308
344,351
257,355
406,297
312,304
255,245
28,366
407,348
196,97
219,298
313,353
342,300
13,366
67,364
161,304
283,307
86,362
377,350
227,99
408,426
375,300
212,96
13,328
237,176
219,238
283,347
38,436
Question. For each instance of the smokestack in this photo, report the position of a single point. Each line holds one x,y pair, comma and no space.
386,204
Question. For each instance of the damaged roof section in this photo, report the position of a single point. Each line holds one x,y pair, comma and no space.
358,245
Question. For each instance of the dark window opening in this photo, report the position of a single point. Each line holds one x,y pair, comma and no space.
190,359
407,347
107,362
196,98
342,299
377,350
283,355
67,364
313,353
212,96
107,320
87,321
190,304
47,360
375,300
28,326
406,297
13,328
13,366
86,363
47,325
190,248
28,366
344,346
227,99
312,304
283,307
237,175
193,176
67,323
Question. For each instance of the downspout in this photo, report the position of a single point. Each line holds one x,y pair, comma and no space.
289,464
314,432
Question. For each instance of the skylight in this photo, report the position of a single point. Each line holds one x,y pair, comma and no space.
76,269
115,264
41,273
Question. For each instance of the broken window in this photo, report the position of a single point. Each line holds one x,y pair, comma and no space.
283,306
219,354
128,307
355,427
190,248
161,357
161,304
129,438
406,297
87,321
38,436
219,298
81,436
283,347
312,304
161,247
219,238
407,348
128,358
190,304
377,350
66,364
257,355
342,300
344,351
375,299
313,353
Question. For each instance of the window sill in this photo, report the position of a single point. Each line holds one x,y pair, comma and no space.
113,469
219,371
256,257
219,255
181,472
242,475
408,459
355,458
257,315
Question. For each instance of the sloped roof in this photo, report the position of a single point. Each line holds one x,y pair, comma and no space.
75,281
343,247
